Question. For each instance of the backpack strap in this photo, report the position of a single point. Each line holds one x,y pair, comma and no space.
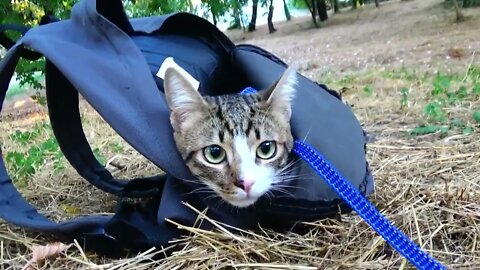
65,117
63,101
62,96
8,43
133,226
13,207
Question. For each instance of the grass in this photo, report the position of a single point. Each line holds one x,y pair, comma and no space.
426,183
448,102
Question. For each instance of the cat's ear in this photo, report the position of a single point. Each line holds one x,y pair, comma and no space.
280,95
183,99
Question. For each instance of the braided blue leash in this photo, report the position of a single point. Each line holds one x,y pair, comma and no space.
362,206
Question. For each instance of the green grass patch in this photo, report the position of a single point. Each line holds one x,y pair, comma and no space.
30,150
404,73
34,148
448,91
449,107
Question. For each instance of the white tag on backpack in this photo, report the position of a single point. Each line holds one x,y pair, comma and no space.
169,62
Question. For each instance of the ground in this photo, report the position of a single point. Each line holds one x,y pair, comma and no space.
412,77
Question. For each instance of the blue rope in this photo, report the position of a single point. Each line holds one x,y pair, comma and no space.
362,206
365,209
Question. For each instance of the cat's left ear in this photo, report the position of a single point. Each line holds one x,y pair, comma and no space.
280,96
183,99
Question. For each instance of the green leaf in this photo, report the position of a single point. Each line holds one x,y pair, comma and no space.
427,129
434,111
441,84
467,130
116,147
476,116
50,146
368,90
99,156
70,209
474,71
404,96
462,92
476,89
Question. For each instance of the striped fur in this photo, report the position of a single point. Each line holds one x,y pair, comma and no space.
238,124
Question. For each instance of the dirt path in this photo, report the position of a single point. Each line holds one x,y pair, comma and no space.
418,34
391,36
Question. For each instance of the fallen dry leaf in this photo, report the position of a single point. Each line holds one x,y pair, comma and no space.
41,253
456,52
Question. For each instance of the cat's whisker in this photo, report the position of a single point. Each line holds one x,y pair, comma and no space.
211,197
288,168
284,191
288,171
291,187
294,176
286,186
193,181
306,135
281,181
308,177
269,195
290,165
286,178
200,190
219,203
289,194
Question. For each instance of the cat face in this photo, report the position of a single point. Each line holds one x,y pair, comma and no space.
235,144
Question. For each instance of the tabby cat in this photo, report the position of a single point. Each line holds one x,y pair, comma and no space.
237,145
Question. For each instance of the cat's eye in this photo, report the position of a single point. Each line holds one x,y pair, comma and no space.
214,154
267,150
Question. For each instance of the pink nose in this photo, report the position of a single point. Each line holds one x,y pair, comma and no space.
245,185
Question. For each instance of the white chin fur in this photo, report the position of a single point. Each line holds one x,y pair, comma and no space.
243,202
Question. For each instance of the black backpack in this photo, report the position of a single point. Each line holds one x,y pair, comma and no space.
121,58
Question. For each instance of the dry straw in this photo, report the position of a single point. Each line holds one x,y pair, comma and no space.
428,187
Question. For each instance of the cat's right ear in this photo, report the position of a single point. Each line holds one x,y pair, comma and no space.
280,95
183,99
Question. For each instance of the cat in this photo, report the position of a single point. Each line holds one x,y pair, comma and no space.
237,145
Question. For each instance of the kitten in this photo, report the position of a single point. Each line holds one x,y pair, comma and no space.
235,144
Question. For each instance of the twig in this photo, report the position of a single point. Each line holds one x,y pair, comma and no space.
469,66
214,223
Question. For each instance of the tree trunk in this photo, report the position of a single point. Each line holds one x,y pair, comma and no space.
214,18
336,9
236,16
286,10
458,11
253,22
354,4
377,4
271,29
322,10
313,12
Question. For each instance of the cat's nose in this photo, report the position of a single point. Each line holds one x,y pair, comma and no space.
246,185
